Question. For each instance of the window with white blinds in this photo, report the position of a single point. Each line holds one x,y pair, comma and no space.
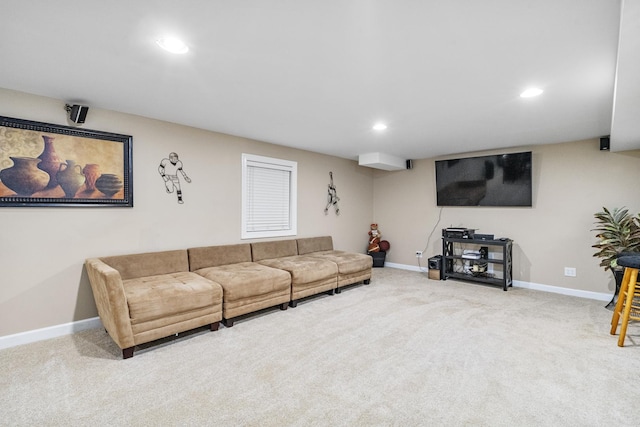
269,188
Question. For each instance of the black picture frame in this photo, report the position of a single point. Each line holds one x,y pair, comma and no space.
43,164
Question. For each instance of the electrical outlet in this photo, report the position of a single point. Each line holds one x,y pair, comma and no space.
418,254
570,271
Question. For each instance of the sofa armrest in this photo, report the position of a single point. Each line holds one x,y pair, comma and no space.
108,292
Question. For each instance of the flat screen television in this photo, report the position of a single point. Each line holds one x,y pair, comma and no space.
496,180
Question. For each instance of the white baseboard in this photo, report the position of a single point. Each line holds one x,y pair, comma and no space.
527,285
424,269
564,291
49,332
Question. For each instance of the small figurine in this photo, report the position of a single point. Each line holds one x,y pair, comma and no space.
374,239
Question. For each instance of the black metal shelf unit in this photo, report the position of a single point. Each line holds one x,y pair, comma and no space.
481,270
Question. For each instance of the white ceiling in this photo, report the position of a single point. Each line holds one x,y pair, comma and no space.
444,75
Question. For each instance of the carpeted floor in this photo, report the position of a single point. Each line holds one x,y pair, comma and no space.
403,351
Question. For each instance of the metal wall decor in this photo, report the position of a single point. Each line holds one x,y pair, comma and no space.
168,169
332,197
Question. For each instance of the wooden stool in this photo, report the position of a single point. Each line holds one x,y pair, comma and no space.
630,289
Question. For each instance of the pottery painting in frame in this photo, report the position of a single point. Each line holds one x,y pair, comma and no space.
43,164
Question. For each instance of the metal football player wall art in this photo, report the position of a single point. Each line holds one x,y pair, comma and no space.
168,170
332,197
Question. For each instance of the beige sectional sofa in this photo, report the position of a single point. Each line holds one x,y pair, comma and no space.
309,275
352,267
247,286
144,297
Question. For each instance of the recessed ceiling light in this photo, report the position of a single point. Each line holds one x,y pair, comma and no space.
379,126
173,45
531,92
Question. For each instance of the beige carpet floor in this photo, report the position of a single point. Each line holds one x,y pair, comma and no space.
403,351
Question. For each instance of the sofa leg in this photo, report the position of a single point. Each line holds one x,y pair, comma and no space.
284,306
127,353
331,291
293,303
366,281
228,322
338,290
214,326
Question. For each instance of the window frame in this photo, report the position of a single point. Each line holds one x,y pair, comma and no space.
252,160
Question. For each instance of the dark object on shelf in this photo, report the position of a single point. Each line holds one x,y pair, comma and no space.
456,266
458,233
479,236
378,258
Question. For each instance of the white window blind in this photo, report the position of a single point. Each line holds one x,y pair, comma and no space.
269,197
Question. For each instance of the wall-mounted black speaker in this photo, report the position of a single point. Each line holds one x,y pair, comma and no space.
604,143
409,164
77,113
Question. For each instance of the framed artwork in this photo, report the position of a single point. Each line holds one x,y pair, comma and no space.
44,164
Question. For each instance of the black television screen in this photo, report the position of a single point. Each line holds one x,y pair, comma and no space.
497,180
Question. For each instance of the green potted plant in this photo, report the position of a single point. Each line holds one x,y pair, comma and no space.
617,231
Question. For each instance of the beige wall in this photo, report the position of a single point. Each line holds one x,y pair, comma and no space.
42,250
571,182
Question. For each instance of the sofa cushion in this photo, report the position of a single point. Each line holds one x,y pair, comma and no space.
247,279
213,256
158,296
304,269
348,262
275,249
148,264
314,244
